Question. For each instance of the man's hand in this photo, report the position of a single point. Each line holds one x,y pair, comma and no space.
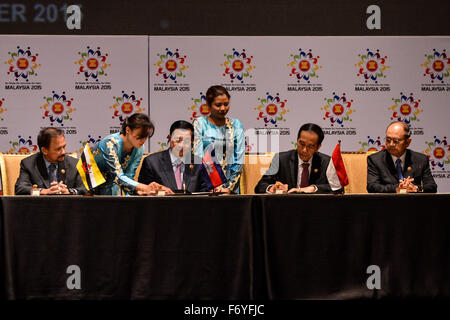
56,188
308,189
63,188
278,186
407,184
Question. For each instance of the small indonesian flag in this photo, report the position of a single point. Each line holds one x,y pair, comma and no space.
336,173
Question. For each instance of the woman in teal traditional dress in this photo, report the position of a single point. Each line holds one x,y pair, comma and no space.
119,155
226,134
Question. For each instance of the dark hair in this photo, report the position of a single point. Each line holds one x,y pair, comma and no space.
313,128
46,135
214,92
181,124
138,121
405,128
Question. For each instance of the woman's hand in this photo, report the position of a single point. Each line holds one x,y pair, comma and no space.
159,187
222,189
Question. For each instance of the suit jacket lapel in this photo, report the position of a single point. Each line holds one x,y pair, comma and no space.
315,169
61,173
390,165
167,170
294,170
43,170
188,174
408,164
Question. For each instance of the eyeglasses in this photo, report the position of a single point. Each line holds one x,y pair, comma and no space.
309,147
394,141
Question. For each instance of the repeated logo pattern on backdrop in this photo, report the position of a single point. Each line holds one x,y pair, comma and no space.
353,87
66,82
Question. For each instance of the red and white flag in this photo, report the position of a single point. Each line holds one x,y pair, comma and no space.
336,174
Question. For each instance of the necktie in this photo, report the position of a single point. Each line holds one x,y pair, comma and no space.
398,164
178,176
52,172
304,182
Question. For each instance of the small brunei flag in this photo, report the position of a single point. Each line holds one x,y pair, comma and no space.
88,169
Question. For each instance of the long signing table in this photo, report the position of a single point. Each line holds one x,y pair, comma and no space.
225,247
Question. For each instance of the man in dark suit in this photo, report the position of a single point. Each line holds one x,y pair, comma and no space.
173,169
50,169
301,170
396,168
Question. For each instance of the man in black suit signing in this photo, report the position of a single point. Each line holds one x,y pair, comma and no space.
396,168
174,168
50,169
301,170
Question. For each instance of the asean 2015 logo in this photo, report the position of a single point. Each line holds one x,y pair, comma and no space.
238,65
338,109
199,108
372,66
304,65
371,145
405,108
271,109
58,108
125,105
437,66
438,151
171,65
22,63
92,64
23,145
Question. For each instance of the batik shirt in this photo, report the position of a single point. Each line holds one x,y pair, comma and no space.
229,147
117,166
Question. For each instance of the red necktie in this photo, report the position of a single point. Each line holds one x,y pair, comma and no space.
304,182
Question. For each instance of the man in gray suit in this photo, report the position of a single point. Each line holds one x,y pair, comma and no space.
50,169
174,169
396,168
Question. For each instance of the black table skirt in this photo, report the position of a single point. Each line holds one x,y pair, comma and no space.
228,247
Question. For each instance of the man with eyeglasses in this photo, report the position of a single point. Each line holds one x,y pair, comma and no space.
398,169
302,170
173,170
